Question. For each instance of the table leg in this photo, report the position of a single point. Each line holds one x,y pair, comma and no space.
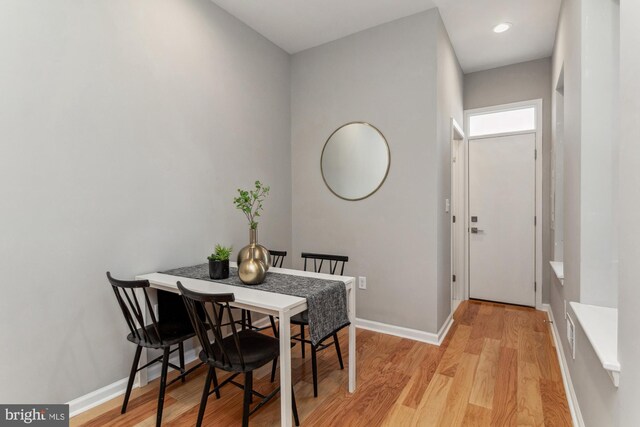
352,339
285,369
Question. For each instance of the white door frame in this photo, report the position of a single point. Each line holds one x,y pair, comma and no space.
458,208
537,104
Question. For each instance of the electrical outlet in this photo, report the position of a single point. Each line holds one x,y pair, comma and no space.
362,282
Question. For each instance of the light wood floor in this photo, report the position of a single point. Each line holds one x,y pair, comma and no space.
497,367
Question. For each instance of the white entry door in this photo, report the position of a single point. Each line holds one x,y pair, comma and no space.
501,218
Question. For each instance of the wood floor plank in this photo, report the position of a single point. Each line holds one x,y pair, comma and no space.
476,338
505,397
496,367
469,312
554,404
476,416
546,357
495,324
425,370
458,396
452,355
400,413
486,309
540,321
483,386
511,329
526,346
433,404
529,399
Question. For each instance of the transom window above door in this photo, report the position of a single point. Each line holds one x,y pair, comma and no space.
507,121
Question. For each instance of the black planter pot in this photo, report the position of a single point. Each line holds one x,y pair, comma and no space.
218,269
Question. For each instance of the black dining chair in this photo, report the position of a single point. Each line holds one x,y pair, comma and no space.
241,352
158,335
302,319
277,258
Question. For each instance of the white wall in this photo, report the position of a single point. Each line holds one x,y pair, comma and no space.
589,69
125,128
629,206
513,83
386,76
600,69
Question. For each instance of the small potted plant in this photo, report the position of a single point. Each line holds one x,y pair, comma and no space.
219,262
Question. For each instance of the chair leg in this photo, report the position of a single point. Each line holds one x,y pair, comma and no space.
132,375
215,382
294,407
302,339
273,326
248,388
205,396
314,368
163,385
181,354
337,344
273,369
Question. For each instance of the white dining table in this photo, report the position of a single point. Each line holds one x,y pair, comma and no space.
275,304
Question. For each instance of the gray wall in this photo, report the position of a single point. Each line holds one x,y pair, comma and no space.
450,98
513,83
126,128
629,206
587,65
386,76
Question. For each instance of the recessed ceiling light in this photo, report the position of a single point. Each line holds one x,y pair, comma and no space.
502,27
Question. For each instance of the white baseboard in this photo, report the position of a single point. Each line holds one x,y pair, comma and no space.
572,399
113,390
97,397
444,330
412,334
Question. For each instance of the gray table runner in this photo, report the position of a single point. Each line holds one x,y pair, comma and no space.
326,299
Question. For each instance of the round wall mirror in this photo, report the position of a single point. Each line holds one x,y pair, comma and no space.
355,161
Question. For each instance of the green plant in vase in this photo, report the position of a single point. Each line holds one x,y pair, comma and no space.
219,262
250,203
221,253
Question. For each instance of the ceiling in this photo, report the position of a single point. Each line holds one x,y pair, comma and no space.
296,25
470,24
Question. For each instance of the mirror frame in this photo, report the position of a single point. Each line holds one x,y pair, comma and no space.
386,173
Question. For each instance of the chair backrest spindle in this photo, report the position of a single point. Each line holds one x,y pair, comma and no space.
126,295
199,305
277,258
334,262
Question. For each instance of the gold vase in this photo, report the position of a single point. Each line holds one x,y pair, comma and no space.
252,271
254,251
